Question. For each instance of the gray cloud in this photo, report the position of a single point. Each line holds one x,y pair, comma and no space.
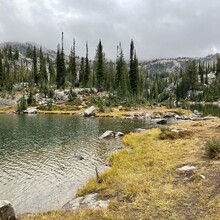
159,28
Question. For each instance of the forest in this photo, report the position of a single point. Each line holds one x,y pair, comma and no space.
126,82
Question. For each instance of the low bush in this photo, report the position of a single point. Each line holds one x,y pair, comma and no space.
213,148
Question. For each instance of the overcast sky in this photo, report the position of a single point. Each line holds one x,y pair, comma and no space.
159,28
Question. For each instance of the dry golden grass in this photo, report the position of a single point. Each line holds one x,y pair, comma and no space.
143,182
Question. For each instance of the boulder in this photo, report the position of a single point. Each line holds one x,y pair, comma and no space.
90,111
119,134
6,211
30,111
107,134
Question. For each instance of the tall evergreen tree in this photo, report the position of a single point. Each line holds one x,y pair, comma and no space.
87,68
100,67
201,73
218,66
82,71
1,71
43,78
61,68
35,72
133,72
72,66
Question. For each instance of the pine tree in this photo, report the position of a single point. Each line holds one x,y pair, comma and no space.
61,68
82,71
218,66
119,67
35,72
133,73
1,71
43,78
100,67
201,73
87,69
72,66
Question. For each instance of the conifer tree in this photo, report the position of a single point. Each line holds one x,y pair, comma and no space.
87,68
100,67
61,68
1,71
72,66
218,66
35,72
43,78
133,72
201,73
82,71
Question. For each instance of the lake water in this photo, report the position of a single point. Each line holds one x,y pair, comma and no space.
38,168
206,109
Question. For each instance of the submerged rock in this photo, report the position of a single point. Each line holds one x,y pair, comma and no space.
6,211
78,157
107,134
90,111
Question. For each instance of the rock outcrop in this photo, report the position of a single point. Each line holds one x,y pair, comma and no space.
107,134
90,111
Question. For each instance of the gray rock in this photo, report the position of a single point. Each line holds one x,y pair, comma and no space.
186,168
107,134
30,111
6,211
90,111
119,134
88,201
79,157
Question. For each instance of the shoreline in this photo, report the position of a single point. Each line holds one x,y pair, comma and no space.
135,142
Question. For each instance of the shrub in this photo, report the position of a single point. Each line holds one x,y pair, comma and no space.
22,104
213,148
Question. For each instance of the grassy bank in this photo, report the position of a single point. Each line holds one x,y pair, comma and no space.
143,182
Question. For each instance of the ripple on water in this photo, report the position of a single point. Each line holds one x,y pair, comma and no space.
38,171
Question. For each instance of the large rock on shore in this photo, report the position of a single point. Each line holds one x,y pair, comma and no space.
6,211
90,111
107,134
30,111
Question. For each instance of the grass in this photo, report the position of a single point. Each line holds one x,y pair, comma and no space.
143,182
213,148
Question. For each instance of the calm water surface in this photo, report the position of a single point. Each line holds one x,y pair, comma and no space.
38,168
206,109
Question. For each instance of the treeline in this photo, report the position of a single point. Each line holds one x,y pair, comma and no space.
128,81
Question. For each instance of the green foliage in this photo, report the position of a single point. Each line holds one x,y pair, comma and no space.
213,148
100,67
22,104
72,95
